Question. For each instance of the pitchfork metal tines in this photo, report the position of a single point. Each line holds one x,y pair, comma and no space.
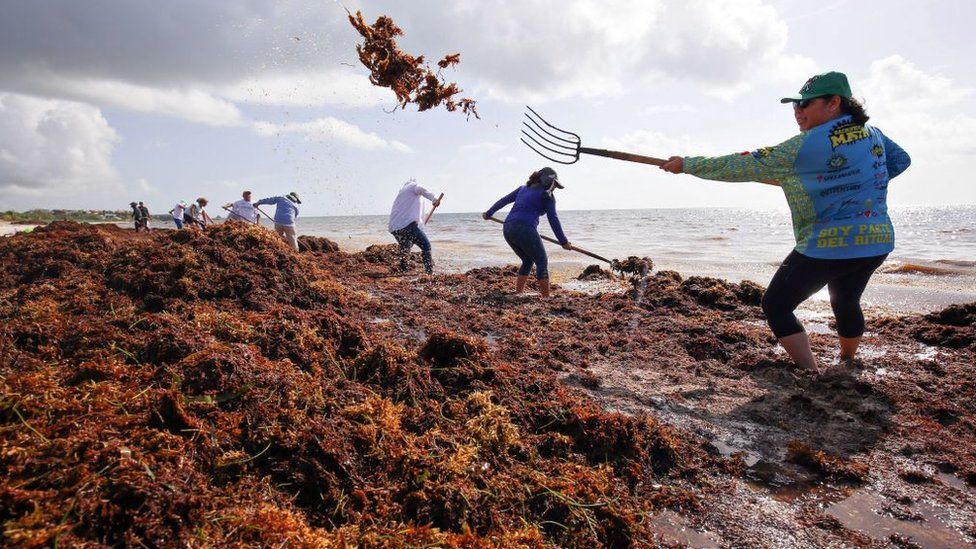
563,146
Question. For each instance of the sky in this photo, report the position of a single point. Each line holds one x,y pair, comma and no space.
104,102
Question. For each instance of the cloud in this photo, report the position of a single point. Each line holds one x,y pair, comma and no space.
896,83
192,104
295,53
529,50
330,129
910,105
657,144
52,145
344,88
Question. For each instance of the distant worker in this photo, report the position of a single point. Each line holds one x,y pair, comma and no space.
835,175
286,211
178,212
197,215
522,225
243,209
406,220
145,216
136,216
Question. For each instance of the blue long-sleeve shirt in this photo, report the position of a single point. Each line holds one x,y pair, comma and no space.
285,210
530,203
835,177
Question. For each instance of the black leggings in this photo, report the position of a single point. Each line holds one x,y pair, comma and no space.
799,277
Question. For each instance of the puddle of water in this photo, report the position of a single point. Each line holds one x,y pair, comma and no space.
955,482
728,450
674,529
863,511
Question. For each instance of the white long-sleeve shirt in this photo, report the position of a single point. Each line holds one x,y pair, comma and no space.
407,208
244,211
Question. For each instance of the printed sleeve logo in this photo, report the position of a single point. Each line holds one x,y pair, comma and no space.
846,133
808,84
837,162
763,152
877,150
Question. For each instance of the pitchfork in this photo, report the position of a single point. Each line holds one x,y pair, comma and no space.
565,147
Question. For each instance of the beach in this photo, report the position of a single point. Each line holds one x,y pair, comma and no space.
323,398
7,228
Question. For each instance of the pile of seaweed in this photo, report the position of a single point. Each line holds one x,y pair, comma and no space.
409,77
215,387
953,327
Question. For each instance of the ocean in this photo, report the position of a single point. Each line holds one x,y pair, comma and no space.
933,265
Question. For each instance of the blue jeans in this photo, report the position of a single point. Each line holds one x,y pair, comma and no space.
179,223
406,238
527,244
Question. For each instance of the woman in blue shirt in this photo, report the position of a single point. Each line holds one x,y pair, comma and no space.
522,225
835,175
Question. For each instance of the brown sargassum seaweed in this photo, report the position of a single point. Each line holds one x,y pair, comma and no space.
214,387
409,77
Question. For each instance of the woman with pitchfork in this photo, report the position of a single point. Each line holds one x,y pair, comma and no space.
521,228
835,176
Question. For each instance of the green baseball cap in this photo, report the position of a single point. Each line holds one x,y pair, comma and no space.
828,83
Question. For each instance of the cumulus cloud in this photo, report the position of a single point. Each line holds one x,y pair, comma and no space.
52,144
911,106
329,129
896,83
192,104
295,53
531,50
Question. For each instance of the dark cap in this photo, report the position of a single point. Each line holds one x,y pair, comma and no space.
548,176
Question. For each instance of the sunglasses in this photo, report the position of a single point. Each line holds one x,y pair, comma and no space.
806,102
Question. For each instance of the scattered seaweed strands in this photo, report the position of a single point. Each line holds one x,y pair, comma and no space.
912,268
826,464
410,78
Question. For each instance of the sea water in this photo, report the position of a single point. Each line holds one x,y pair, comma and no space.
938,243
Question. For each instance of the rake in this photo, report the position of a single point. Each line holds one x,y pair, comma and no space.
565,147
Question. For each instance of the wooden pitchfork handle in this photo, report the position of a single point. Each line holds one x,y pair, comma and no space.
623,156
571,247
232,212
265,215
426,221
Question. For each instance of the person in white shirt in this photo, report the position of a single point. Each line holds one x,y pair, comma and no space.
406,220
178,212
243,210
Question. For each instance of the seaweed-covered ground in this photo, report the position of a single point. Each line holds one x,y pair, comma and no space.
216,388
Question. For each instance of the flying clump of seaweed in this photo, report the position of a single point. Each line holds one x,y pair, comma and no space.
410,78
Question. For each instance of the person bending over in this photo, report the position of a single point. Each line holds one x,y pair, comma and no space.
521,229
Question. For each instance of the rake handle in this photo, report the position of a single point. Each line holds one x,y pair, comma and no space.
232,212
623,156
554,241
429,215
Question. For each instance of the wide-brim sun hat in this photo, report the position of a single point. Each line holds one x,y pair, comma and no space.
820,85
293,196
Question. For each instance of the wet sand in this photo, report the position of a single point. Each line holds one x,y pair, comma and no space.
324,397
